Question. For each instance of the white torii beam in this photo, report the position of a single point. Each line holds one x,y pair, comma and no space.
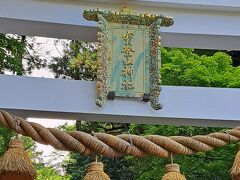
206,24
67,99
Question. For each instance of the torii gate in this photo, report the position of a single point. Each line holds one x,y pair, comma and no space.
203,24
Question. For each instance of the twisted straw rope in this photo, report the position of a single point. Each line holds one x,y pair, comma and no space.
115,146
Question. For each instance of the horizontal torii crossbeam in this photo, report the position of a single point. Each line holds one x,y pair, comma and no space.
67,99
205,24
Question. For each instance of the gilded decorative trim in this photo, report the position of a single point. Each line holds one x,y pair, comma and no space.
101,61
155,61
127,17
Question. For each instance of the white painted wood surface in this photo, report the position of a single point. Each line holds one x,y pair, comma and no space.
207,24
67,99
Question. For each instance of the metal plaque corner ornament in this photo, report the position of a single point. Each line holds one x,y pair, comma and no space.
128,54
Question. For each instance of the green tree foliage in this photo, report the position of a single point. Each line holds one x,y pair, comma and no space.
48,173
5,137
78,62
20,54
11,53
182,67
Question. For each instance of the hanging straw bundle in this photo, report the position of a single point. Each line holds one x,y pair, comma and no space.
235,171
15,163
95,172
173,173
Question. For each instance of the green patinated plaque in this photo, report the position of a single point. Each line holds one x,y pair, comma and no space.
128,55
129,61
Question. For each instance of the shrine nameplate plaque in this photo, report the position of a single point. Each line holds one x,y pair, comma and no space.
128,55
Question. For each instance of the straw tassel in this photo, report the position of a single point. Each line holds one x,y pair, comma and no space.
15,163
235,171
95,172
173,173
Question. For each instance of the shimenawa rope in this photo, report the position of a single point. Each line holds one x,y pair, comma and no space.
115,146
